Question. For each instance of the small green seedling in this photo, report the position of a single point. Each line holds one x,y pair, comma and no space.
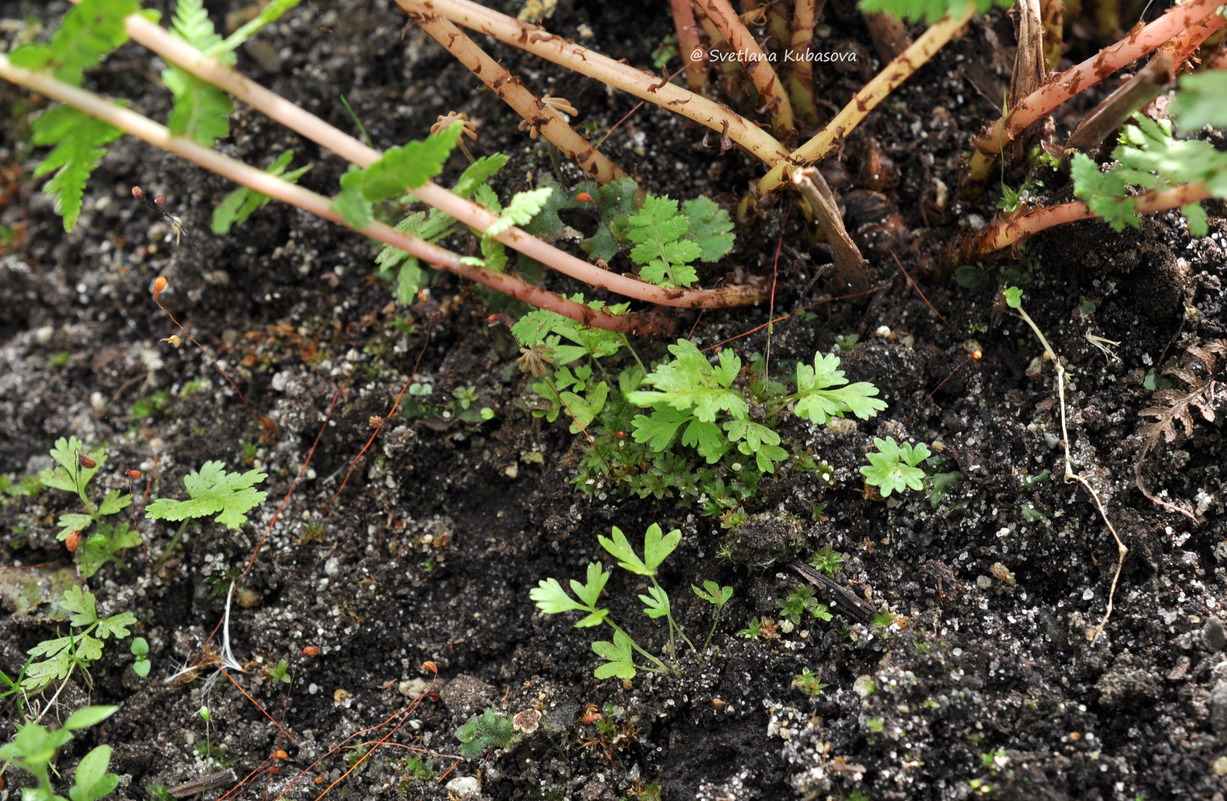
34,747
827,561
486,732
801,603
896,467
717,596
211,491
94,541
140,649
808,683
54,660
699,400
619,653
240,204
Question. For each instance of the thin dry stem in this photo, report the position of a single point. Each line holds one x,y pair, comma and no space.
1150,81
869,97
1070,475
1091,72
849,264
644,85
754,61
544,118
308,125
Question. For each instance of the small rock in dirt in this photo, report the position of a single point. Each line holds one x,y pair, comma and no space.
464,786
466,694
1218,709
1213,635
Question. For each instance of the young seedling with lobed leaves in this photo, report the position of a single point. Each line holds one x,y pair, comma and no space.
34,748
56,659
620,653
94,541
211,491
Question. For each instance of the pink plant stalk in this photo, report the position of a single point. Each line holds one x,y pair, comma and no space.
642,84
688,44
185,56
754,61
544,119
159,136
1008,233
864,101
1094,70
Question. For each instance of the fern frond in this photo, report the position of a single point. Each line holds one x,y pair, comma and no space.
79,141
89,31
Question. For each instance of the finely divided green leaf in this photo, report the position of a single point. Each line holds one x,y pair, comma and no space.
90,30
409,166
240,204
821,393
213,491
895,467
929,11
710,228
660,249
1200,100
689,381
78,139
522,208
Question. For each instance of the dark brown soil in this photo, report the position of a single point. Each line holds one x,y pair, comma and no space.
985,684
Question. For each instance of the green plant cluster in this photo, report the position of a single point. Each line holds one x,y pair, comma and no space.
690,427
53,660
488,731
34,748
97,541
1150,158
620,654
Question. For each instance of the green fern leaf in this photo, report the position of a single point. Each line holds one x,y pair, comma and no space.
78,140
90,30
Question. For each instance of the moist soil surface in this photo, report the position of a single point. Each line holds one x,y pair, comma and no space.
392,581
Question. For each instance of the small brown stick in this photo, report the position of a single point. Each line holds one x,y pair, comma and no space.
642,84
1150,81
1091,72
755,62
864,101
849,264
543,118
889,34
1005,233
916,287
688,45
